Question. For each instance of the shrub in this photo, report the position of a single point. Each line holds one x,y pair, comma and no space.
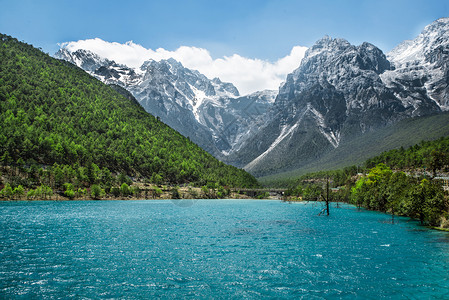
115,191
19,191
96,192
125,190
175,193
30,194
6,191
157,192
69,194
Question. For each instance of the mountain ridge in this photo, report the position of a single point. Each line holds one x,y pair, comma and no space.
199,108
404,133
340,91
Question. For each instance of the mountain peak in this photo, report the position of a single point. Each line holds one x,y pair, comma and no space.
440,23
183,98
433,36
341,91
422,64
84,59
327,44
333,58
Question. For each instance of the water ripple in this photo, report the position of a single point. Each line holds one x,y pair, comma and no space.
225,249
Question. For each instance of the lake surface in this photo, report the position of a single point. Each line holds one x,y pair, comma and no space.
226,249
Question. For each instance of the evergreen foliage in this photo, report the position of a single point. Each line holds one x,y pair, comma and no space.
60,125
400,194
431,155
397,181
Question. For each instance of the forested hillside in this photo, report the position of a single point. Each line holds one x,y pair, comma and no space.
430,155
408,182
59,122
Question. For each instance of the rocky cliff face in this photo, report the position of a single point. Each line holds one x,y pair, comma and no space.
421,68
210,112
341,91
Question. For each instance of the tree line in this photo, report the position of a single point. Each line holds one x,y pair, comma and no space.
400,182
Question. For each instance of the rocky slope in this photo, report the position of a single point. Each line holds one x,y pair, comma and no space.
422,67
210,112
341,91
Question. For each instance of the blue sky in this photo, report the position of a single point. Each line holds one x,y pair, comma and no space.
251,43
265,29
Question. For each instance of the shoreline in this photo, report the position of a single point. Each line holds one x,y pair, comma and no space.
439,228
234,196
143,192
58,197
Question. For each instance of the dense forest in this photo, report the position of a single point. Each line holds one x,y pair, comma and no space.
405,182
427,155
62,128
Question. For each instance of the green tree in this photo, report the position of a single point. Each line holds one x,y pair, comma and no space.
43,191
417,201
312,192
80,192
436,161
175,193
5,159
125,190
426,202
370,191
91,172
156,179
69,192
7,191
19,191
96,192
205,191
157,192
115,191
30,194
124,179
396,191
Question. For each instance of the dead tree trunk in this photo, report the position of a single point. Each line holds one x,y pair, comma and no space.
326,199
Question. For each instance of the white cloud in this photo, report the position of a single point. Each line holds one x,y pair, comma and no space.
247,74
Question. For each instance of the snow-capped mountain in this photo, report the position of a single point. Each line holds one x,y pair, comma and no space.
337,94
234,119
209,112
341,91
422,66
84,59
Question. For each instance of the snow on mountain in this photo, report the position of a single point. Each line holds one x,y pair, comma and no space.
338,92
84,59
422,66
234,119
415,51
210,112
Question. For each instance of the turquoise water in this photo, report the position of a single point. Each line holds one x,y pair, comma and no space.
215,249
